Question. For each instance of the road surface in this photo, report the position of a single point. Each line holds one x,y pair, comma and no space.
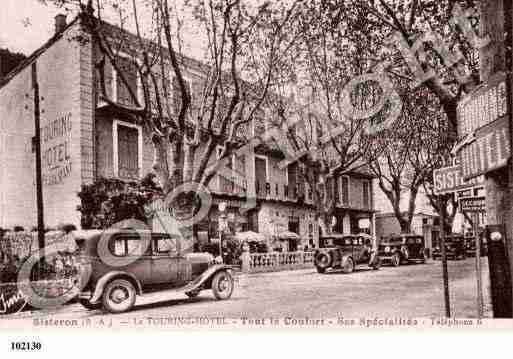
408,291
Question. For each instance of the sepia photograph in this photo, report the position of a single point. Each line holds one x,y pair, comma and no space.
253,164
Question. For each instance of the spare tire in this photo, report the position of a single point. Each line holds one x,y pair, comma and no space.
322,260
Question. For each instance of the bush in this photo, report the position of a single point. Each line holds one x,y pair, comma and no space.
108,201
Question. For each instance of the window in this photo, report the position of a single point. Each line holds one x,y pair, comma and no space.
164,246
127,147
129,69
344,190
124,247
366,194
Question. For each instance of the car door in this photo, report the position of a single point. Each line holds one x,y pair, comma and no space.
165,261
134,255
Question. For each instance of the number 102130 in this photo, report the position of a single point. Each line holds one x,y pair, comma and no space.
26,346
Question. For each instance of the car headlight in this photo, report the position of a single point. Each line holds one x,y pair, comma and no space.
387,249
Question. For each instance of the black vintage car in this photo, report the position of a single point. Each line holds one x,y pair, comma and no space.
345,251
126,263
455,247
402,248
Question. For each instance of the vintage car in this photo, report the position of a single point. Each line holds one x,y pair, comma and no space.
345,251
126,263
455,247
402,248
470,246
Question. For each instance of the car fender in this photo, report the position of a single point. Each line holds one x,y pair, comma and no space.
103,281
207,275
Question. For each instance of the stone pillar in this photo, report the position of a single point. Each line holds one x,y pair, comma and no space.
245,258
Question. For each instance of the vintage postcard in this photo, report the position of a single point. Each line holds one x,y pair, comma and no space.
227,164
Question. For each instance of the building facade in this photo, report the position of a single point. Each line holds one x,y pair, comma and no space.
83,138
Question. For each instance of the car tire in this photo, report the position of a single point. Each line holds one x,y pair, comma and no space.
222,285
119,296
192,294
348,266
323,261
320,270
88,305
396,259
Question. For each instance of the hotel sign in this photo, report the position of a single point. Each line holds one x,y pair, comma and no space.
483,106
489,150
483,118
450,179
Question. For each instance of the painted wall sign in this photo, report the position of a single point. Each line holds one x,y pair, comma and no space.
489,150
485,105
450,179
56,151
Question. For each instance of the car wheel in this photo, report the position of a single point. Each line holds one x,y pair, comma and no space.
118,296
222,285
192,294
323,261
348,265
396,259
320,269
88,305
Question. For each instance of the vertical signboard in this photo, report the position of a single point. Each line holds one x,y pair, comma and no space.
483,119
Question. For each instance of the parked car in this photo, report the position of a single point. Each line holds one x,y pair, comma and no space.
402,248
137,264
345,251
455,247
470,246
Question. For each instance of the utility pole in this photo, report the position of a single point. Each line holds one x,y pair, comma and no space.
37,145
445,272
475,229
496,57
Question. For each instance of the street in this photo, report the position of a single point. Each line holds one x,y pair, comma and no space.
413,290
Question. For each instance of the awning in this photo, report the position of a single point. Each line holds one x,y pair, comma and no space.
250,236
286,235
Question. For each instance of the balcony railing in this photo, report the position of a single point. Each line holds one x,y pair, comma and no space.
265,190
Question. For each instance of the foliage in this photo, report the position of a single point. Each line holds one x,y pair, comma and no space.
8,61
108,201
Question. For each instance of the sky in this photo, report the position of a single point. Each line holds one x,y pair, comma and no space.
25,24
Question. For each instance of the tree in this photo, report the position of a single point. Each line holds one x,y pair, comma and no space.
312,125
242,45
408,152
433,43
8,61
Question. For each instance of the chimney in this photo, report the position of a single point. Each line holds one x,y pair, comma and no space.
60,23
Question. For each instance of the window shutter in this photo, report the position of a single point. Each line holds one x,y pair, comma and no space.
129,69
345,190
128,152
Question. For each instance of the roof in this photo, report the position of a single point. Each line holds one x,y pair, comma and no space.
32,57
